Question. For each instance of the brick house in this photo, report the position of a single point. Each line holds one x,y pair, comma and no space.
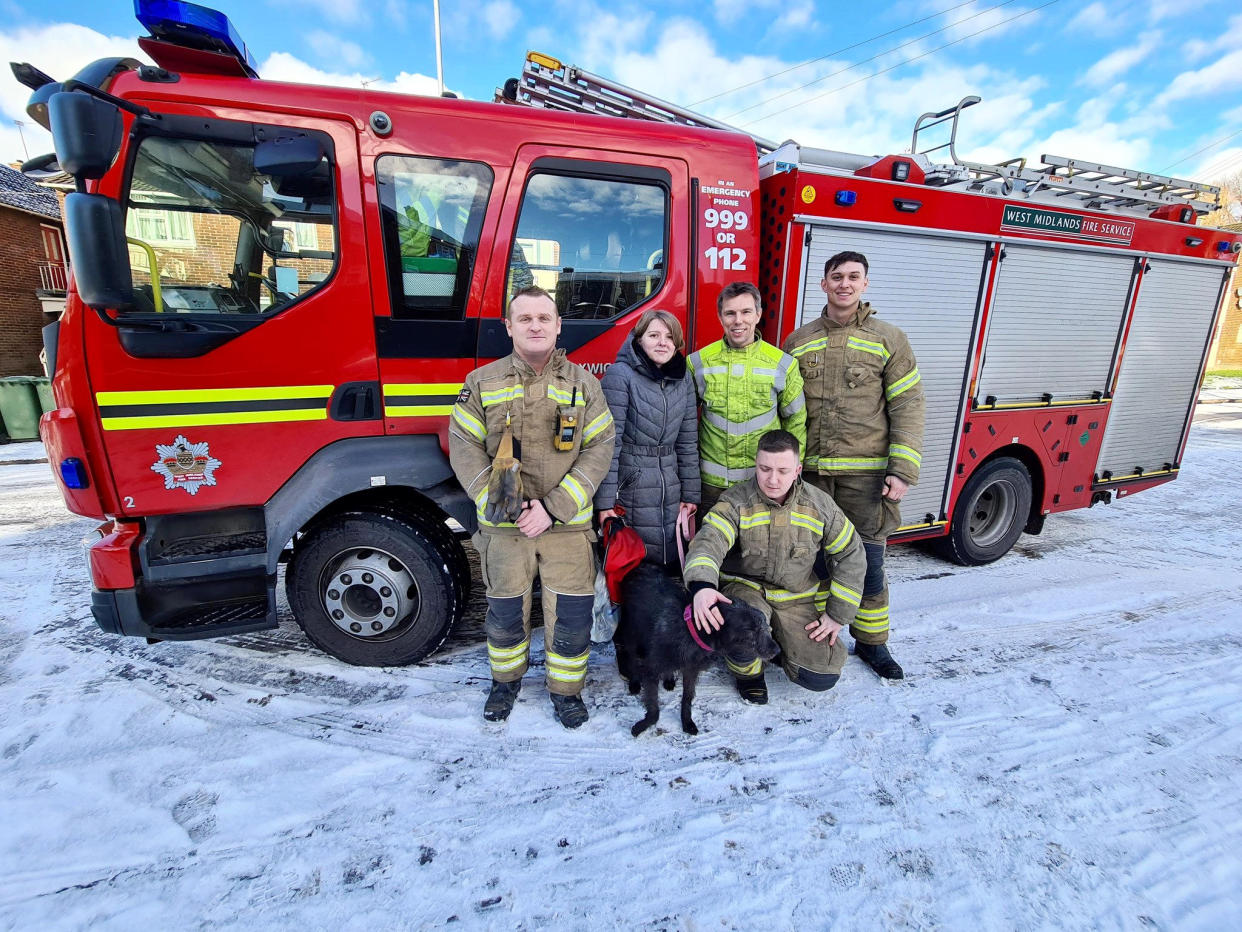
33,270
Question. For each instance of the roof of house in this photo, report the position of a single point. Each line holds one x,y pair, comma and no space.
18,191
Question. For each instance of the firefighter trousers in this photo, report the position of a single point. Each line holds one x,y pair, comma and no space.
564,561
812,664
874,518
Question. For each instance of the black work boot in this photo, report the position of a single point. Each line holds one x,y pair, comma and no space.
752,688
877,657
571,711
500,700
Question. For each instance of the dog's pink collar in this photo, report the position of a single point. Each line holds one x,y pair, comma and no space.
694,632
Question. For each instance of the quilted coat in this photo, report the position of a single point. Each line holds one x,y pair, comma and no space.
655,464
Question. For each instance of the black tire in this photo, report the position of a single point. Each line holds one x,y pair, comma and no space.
990,513
399,562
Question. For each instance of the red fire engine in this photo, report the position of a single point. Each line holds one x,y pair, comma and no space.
279,291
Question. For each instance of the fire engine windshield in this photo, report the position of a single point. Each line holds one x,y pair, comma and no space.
210,234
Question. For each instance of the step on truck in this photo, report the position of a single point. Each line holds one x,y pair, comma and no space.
278,291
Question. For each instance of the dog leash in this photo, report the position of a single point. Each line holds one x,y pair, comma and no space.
685,531
694,632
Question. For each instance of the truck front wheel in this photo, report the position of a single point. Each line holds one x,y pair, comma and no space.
990,513
372,589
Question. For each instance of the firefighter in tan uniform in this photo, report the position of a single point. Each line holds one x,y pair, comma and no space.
760,544
562,434
864,437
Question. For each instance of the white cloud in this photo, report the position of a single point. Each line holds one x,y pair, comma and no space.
979,22
281,66
60,50
1093,19
1220,75
500,17
1121,60
332,48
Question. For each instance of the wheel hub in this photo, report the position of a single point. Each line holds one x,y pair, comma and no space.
367,592
992,512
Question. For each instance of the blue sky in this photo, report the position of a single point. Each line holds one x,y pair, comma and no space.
1148,84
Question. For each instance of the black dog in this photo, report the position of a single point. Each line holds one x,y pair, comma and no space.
654,640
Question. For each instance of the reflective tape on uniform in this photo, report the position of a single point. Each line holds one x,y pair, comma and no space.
810,522
901,452
867,346
213,406
740,428
873,620
905,383
704,561
754,519
596,427
842,540
469,422
506,659
501,395
723,526
423,399
845,593
771,593
574,488
560,396
567,669
798,351
794,406
843,463
716,471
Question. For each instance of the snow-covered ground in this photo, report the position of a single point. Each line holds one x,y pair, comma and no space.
1065,754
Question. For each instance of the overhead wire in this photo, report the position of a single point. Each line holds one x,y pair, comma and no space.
859,64
840,51
907,61
1210,145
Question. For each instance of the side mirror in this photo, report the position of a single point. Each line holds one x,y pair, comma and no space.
95,231
87,133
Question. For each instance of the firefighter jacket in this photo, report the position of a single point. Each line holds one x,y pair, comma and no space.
864,396
509,391
744,393
748,538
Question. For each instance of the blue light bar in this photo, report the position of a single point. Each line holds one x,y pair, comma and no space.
846,198
193,26
73,472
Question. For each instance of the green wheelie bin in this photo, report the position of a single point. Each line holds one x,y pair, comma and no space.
19,406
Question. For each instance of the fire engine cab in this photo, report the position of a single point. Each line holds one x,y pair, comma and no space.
279,290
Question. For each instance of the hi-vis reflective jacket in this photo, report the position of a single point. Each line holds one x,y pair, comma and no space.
749,539
508,389
745,393
864,397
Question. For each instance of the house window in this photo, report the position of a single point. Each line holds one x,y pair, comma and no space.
171,229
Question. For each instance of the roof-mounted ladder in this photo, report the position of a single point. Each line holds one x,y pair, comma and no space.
547,83
1088,184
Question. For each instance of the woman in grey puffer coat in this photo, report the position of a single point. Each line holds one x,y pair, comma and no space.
655,464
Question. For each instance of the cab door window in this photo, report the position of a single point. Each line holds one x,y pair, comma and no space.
432,213
596,244
208,233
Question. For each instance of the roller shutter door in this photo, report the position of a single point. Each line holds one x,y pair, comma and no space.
1054,324
929,287
1159,375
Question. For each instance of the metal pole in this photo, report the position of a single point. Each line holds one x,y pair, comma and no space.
439,54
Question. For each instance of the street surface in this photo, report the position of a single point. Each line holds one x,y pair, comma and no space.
1064,754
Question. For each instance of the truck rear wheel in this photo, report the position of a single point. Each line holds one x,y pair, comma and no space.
372,588
990,513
